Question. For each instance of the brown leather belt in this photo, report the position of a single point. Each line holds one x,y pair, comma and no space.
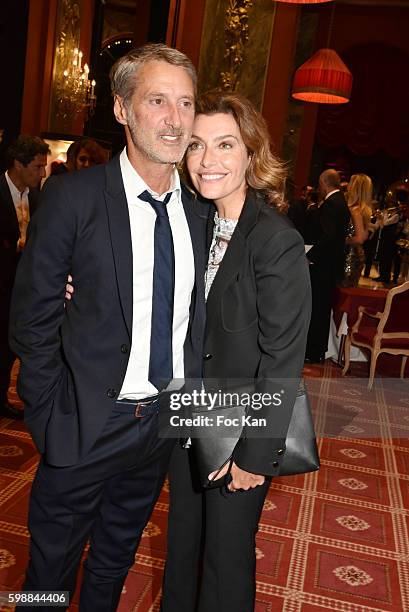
139,408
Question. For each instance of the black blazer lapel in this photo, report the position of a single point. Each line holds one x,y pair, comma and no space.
233,258
209,230
33,196
10,211
196,213
120,230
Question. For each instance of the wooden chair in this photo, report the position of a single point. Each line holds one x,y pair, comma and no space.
382,332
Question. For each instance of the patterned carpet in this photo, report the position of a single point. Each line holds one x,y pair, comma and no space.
334,540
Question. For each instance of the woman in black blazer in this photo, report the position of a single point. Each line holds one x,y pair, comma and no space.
258,309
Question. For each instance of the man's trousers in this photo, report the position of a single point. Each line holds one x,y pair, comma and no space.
107,499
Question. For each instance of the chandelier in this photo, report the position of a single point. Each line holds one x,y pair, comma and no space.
75,91
324,78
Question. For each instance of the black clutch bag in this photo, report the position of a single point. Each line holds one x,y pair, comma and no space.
301,453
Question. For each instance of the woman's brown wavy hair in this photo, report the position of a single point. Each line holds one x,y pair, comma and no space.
266,172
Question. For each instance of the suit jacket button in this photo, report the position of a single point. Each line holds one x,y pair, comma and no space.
280,451
124,349
275,463
111,393
207,356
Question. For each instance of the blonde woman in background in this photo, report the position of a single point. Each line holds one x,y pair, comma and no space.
359,198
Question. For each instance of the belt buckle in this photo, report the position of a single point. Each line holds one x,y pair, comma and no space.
138,409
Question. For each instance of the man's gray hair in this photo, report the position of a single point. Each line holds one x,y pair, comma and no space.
124,72
331,178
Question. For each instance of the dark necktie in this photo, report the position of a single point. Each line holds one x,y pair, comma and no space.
160,360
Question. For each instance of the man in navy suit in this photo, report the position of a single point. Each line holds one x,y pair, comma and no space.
92,403
27,158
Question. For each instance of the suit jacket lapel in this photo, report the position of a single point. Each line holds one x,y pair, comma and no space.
8,202
233,258
120,230
196,213
33,196
5,195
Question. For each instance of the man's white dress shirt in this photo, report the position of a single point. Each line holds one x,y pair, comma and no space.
142,220
20,200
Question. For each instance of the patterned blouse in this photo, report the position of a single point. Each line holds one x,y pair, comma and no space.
222,233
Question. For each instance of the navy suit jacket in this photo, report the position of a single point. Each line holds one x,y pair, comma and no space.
74,356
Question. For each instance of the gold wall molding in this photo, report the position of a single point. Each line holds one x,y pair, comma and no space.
235,46
237,34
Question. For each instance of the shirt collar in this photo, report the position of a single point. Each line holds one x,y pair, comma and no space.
330,193
16,194
135,185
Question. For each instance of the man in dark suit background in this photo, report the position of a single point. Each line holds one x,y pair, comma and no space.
27,158
299,209
90,371
326,231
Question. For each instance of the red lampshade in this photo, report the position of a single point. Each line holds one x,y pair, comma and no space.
303,1
324,78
